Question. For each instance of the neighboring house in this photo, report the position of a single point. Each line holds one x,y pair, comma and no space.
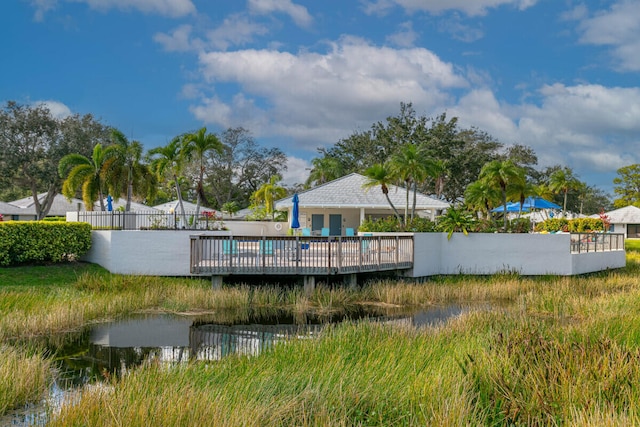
11,212
344,203
174,206
60,205
624,220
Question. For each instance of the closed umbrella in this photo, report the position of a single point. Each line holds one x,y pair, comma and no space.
295,223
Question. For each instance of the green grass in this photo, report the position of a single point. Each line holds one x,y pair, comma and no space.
632,245
54,275
558,351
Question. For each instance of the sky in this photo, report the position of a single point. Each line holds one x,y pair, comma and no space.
560,76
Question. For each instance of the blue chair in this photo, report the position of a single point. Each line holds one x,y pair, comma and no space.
350,232
324,232
266,247
306,231
230,247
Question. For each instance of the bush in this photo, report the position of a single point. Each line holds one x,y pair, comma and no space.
39,241
578,225
391,224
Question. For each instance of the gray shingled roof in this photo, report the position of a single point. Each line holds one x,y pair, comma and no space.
9,209
626,215
60,205
347,192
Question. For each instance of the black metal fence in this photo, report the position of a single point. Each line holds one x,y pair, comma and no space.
151,220
596,242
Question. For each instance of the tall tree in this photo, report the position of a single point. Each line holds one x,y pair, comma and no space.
197,145
563,181
379,175
409,165
32,142
627,186
242,167
127,168
501,174
324,169
482,197
86,173
170,160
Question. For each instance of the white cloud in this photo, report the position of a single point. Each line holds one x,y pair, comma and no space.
619,28
170,8
405,36
235,30
319,97
298,13
56,108
297,171
469,7
178,40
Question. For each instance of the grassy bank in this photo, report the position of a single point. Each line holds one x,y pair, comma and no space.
565,353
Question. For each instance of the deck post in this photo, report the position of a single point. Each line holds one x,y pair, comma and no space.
351,280
216,282
309,284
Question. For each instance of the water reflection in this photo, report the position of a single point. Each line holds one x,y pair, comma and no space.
111,349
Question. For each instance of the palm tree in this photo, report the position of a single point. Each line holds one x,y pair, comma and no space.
88,173
437,169
127,168
500,174
198,144
379,174
563,181
409,164
482,196
324,169
268,192
519,191
169,160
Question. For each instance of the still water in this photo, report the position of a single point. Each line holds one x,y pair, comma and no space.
87,358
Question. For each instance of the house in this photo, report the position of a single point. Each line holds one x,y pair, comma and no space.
59,207
344,203
11,212
625,220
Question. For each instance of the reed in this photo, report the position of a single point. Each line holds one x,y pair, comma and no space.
23,378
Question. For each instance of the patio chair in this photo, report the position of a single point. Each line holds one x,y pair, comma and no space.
306,231
350,232
324,232
230,248
266,251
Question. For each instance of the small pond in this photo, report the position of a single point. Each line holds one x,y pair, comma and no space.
86,358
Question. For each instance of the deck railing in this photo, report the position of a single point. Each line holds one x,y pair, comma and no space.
221,255
596,242
150,220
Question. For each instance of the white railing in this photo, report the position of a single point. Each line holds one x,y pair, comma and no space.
596,242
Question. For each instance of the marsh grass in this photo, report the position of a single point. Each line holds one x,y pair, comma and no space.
23,377
564,352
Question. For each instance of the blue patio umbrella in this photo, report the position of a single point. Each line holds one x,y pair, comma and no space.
109,203
511,207
295,223
539,203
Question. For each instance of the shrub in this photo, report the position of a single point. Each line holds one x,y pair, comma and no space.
578,225
391,224
39,241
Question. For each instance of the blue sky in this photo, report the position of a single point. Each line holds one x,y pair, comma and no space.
561,76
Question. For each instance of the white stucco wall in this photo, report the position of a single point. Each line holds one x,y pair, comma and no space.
526,254
166,253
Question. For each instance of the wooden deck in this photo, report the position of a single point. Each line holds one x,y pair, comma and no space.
247,255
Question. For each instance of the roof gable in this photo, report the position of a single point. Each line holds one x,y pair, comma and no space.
626,215
348,192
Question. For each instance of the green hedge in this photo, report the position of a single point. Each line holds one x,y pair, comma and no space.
578,225
40,241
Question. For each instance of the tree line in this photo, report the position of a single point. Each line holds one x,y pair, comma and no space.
79,156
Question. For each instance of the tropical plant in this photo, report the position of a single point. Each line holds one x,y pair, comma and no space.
563,181
86,173
197,145
482,197
324,169
455,220
500,174
268,193
230,208
127,168
380,175
169,160
409,164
